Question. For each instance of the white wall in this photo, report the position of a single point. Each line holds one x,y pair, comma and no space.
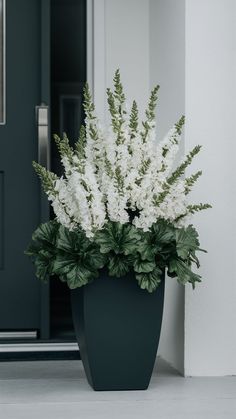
127,46
121,40
145,39
210,312
167,64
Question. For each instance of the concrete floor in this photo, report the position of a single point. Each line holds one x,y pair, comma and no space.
58,389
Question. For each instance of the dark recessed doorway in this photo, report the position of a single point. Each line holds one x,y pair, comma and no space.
68,75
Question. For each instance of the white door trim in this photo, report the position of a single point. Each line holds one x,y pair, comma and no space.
96,53
90,43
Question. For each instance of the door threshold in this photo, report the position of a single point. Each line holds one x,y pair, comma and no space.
39,347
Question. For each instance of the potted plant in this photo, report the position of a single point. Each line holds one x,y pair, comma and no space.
121,222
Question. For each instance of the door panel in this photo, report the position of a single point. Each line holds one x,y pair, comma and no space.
20,292
46,62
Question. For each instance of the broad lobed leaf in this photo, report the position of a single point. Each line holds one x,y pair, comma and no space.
150,281
119,238
186,241
183,272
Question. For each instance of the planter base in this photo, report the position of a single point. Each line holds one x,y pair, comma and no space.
117,327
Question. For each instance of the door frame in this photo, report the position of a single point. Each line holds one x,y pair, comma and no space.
44,205
3,81
96,54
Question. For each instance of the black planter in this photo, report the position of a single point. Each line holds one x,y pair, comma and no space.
118,328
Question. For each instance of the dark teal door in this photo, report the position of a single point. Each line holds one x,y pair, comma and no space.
23,300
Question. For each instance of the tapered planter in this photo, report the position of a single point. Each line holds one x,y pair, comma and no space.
117,327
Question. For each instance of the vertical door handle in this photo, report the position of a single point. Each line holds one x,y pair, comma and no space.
42,113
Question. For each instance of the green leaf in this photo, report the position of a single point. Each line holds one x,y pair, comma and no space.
159,240
147,249
193,258
77,244
78,259
119,238
150,281
64,263
42,249
186,241
70,241
46,233
108,238
72,270
119,265
79,276
32,249
183,272
145,266
131,239
163,231
43,266
96,258
119,242
74,273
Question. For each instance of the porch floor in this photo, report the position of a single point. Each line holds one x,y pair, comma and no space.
59,390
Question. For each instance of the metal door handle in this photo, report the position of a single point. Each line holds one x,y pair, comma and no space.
19,334
42,112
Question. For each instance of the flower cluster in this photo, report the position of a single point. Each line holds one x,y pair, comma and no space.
119,172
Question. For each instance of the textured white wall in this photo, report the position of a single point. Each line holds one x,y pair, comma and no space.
167,48
210,312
